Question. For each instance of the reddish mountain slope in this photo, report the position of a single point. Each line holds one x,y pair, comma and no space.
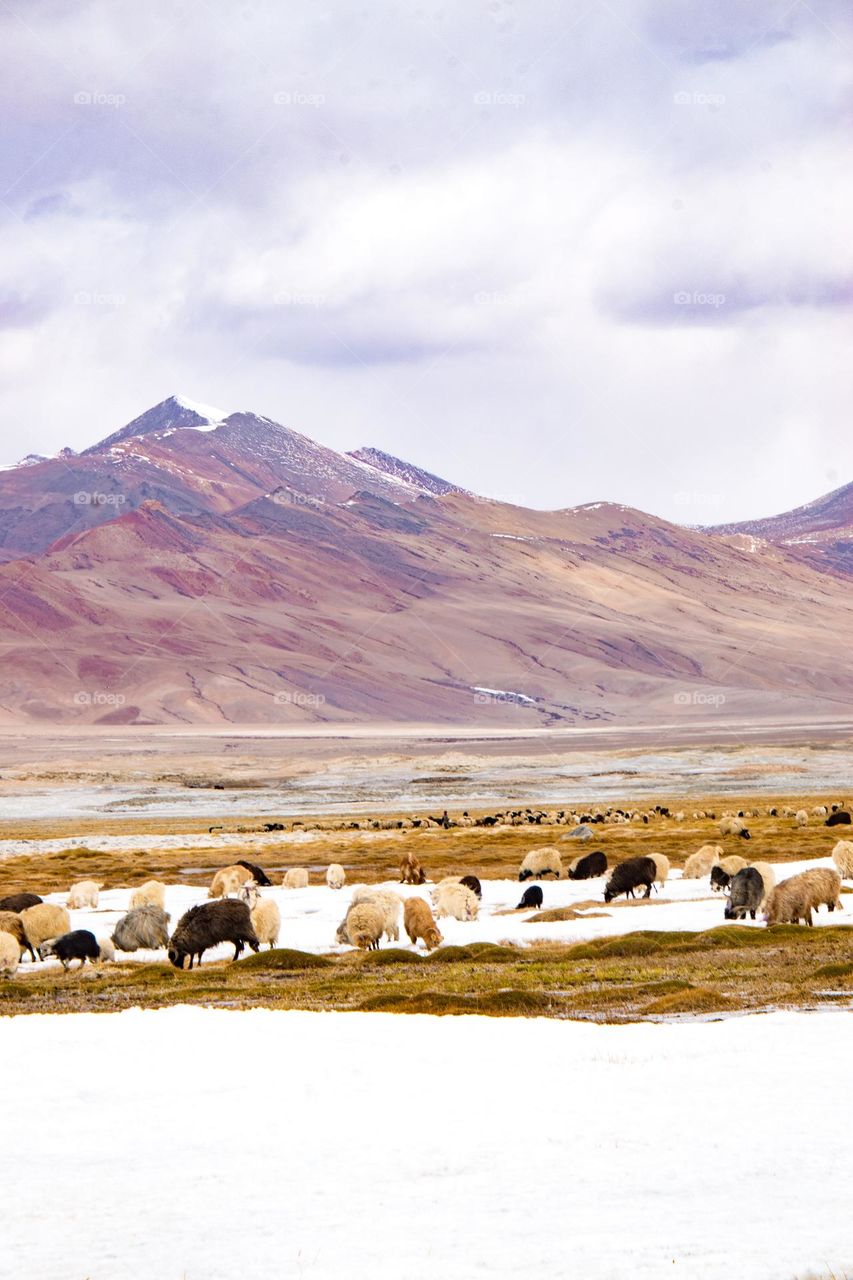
821,532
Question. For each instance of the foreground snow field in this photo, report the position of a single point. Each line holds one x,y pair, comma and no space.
310,917
193,1144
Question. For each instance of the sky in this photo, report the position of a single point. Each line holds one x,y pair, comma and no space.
558,251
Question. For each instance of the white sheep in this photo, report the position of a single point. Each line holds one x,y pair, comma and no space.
801,818
266,917
699,864
389,903
336,877
364,925
732,864
842,856
107,950
295,878
661,862
10,953
229,880
730,826
150,894
541,862
455,900
83,894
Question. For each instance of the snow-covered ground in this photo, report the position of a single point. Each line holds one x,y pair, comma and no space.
193,1144
311,916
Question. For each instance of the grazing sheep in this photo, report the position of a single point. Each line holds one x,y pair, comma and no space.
661,862
795,898
842,856
732,864
364,925
801,818
143,928
258,874
43,922
20,901
541,862
295,878
229,880
820,811
266,917
83,894
589,866
336,877
699,864
388,902
745,895
838,819
150,894
10,954
532,897
720,879
768,877
79,944
455,900
411,871
419,923
734,827
630,875
473,884
11,922
206,925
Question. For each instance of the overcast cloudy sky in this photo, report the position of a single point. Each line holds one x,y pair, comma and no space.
556,250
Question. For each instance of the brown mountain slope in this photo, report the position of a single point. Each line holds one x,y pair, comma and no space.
819,533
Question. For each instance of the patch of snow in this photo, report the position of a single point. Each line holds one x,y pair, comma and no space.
214,416
504,695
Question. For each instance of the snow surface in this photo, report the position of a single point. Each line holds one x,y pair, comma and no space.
310,916
510,694
198,1144
214,416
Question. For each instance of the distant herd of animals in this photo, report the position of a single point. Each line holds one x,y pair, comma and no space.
236,911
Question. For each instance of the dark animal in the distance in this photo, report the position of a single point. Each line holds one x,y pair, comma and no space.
531,897
261,877
20,901
224,920
635,873
79,944
720,879
473,884
590,865
745,894
839,819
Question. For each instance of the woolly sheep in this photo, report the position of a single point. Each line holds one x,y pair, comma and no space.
768,877
820,811
106,948
150,894
732,864
801,818
83,894
389,903
266,917
588,866
365,924
419,923
455,900
473,884
745,894
11,922
627,876
44,922
661,862
142,928
79,944
229,880
411,871
532,897
20,901
795,898
295,878
842,856
10,954
541,862
699,864
206,925
336,877
730,826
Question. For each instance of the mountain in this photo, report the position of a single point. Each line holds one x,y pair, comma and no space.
388,465
821,532
251,575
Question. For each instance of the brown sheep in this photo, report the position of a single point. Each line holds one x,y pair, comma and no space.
795,898
419,923
228,880
411,871
11,922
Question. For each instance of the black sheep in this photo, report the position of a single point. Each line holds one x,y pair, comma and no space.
589,866
473,884
261,877
745,894
839,819
720,879
225,920
531,897
631,875
79,944
20,901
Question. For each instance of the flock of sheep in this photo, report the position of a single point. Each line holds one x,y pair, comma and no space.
237,911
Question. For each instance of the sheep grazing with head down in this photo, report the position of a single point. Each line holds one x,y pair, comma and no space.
541,862
842,856
11,922
745,894
589,866
634,873
364,925
83,894
207,925
455,900
228,881
142,929
699,864
389,903
20,901
420,923
43,922
730,826
336,877
266,917
797,897
532,897
150,894
411,871
10,954
801,818
661,862
472,883
295,878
